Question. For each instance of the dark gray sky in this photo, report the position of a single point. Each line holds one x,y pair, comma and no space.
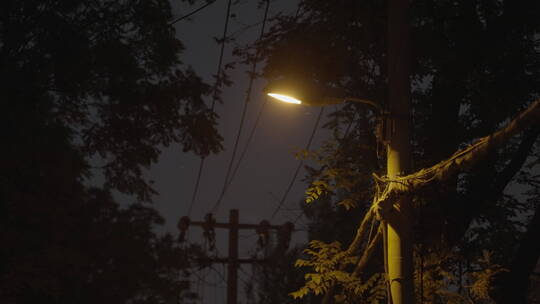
269,164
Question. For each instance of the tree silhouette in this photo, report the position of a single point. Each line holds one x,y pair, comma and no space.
91,88
475,65
108,73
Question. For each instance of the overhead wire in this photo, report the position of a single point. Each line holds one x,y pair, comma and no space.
251,277
248,141
304,227
194,195
192,12
221,52
201,278
221,277
244,111
201,275
300,164
214,98
346,133
290,215
296,15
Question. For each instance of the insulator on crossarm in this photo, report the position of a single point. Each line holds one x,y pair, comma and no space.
263,232
284,234
183,225
208,230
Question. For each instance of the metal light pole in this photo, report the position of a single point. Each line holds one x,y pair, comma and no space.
399,222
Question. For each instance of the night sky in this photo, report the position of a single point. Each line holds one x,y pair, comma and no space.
76,226
269,164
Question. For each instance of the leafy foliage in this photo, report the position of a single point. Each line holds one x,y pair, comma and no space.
117,88
328,260
86,249
336,176
475,64
91,87
483,278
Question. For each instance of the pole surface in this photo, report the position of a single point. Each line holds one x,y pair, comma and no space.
399,224
232,267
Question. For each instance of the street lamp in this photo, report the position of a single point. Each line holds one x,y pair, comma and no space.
396,139
398,151
311,94
304,92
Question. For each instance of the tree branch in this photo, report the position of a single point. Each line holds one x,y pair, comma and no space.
493,191
462,159
520,156
514,285
369,250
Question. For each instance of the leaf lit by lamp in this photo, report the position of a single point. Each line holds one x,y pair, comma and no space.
285,98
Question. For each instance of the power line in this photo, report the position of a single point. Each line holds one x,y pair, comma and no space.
347,130
202,278
243,29
194,196
250,137
244,111
220,61
221,277
251,277
291,211
295,175
214,97
304,226
248,142
192,12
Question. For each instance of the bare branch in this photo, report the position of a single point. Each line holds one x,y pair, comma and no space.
369,250
462,159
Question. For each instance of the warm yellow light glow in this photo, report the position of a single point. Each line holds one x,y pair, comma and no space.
285,98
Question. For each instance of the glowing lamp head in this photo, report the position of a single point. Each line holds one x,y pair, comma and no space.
285,98
299,90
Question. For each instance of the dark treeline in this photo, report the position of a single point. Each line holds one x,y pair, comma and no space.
91,88
474,66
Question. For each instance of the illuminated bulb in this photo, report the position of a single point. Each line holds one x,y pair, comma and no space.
285,98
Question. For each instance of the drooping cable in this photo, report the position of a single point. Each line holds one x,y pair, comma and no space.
221,52
214,98
192,12
347,130
194,195
300,164
244,111
250,138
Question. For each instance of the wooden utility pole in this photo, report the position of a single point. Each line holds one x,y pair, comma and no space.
399,222
233,260
232,267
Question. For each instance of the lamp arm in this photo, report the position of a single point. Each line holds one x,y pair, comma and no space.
365,101
383,121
